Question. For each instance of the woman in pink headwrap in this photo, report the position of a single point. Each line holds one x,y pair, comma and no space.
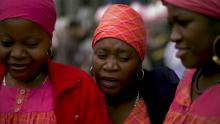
33,88
195,29
133,95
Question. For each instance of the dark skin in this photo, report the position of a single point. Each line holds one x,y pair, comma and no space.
115,65
23,52
194,36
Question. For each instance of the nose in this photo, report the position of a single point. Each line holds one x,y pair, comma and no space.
175,35
17,52
111,64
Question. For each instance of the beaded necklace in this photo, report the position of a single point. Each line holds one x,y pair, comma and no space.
137,99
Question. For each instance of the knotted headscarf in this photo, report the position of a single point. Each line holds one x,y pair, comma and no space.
41,12
207,7
123,23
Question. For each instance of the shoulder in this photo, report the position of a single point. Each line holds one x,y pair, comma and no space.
160,81
163,75
159,87
67,70
69,76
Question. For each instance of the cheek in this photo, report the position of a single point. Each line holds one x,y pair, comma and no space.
128,71
38,55
3,54
96,64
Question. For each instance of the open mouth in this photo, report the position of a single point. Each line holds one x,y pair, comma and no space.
109,83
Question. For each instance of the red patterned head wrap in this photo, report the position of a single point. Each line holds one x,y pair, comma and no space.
41,12
207,7
123,23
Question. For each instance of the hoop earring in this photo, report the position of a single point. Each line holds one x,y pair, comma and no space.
140,74
91,70
50,52
216,50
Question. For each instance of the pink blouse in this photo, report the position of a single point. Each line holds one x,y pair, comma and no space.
27,106
205,109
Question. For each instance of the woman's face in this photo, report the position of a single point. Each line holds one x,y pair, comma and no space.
23,47
193,36
115,64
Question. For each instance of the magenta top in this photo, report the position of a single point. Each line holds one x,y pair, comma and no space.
27,106
204,109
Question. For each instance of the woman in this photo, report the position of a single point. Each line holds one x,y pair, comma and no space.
132,94
195,31
34,89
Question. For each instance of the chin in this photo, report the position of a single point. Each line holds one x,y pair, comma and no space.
189,65
110,93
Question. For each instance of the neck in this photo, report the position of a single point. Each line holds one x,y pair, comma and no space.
33,81
210,69
122,98
206,77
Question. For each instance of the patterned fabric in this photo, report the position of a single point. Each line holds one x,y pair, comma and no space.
123,23
138,115
203,110
28,118
207,7
27,106
41,12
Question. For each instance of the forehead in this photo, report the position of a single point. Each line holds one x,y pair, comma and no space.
111,43
176,12
17,26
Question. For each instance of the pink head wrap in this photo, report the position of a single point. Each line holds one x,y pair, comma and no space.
41,12
123,23
207,7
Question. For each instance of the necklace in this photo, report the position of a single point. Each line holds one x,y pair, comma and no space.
137,99
196,82
35,80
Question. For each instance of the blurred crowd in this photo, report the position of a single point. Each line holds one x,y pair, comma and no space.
73,36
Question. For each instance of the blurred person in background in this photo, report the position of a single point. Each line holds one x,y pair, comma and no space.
133,95
195,30
70,43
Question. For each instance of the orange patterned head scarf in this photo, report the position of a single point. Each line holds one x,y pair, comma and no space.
123,23
207,7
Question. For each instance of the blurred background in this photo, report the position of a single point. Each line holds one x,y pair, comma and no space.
77,20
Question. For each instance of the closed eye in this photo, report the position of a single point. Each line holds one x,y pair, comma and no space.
123,59
6,43
102,56
183,22
32,45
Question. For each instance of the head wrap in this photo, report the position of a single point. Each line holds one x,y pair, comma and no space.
41,12
207,7
123,23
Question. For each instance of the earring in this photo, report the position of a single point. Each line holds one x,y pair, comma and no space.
140,74
91,70
216,50
50,52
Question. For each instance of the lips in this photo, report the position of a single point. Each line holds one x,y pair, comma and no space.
181,51
18,67
108,82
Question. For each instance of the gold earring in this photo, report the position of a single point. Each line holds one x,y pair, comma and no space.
216,50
